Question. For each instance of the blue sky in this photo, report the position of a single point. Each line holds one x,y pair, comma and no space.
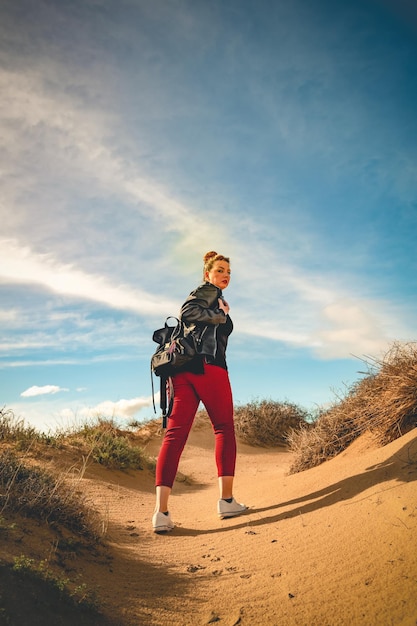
138,135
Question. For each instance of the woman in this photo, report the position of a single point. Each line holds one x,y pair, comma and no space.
205,379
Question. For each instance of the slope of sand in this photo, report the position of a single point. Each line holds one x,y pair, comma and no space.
334,545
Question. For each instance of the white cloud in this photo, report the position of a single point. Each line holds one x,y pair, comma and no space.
120,408
42,391
53,415
108,409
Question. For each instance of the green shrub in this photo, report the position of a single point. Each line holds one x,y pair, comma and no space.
30,593
111,448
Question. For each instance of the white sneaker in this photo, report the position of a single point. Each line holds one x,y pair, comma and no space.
162,523
230,509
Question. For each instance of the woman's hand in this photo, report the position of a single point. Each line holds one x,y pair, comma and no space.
223,306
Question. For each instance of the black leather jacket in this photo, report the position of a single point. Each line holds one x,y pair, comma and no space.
202,316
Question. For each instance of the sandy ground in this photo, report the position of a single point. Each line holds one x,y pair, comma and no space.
334,545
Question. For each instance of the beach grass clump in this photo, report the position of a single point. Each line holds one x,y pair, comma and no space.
33,492
383,403
99,440
15,431
111,447
266,422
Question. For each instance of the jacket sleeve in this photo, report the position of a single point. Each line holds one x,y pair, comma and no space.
201,306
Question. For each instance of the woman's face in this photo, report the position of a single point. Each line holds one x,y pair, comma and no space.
219,275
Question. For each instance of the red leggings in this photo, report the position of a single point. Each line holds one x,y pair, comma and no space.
214,391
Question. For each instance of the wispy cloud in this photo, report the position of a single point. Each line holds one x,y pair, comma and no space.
23,266
76,144
352,327
327,325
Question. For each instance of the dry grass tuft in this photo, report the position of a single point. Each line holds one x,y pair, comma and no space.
390,409
267,423
384,403
315,443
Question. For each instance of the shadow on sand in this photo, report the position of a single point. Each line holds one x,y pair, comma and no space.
401,466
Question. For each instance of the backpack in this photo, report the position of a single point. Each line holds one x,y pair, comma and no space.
175,349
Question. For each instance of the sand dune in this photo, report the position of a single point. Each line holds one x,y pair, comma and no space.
332,545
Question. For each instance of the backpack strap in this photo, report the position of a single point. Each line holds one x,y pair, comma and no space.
166,397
